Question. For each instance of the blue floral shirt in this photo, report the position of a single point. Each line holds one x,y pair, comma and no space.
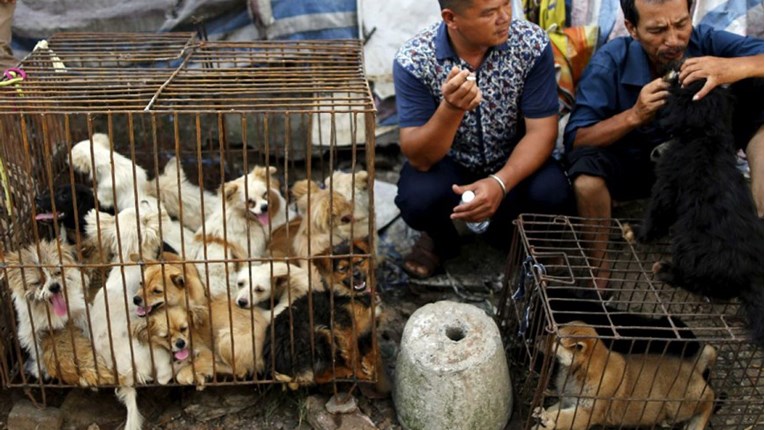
517,80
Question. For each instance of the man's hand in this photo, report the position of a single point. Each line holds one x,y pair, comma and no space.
652,97
716,70
460,92
488,196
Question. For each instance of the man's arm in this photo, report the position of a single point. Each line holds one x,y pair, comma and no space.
610,130
529,155
425,145
720,71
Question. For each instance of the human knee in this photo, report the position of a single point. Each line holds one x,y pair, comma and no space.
587,186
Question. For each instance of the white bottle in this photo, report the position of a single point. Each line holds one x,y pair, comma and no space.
476,227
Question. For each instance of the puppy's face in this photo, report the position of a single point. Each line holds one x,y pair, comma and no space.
576,343
65,204
46,282
349,269
251,195
329,211
160,287
170,328
257,281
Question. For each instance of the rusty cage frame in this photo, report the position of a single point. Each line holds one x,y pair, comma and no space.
550,255
304,107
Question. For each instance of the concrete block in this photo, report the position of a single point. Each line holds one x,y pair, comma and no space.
451,371
25,416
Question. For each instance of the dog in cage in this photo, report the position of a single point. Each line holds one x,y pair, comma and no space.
168,282
182,199
48,291
67,205
95,158
701,199
240,228
339,343
597,386
261,283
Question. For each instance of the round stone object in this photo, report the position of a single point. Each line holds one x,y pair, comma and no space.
451,371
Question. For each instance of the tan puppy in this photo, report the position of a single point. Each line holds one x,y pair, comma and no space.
355,189
67,355
601,387
186,334
168,282
239,336
326,217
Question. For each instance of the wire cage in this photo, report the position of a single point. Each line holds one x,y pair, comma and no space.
243,167
686,356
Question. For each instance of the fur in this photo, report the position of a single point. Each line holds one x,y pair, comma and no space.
67,205
702,201
260,283
182,199
342,319
169,282
239,336
116,192
601,387
46,296
241,231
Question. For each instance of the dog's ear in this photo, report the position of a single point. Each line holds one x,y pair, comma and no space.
361,180
178,280
229,190
300,188
142,329
323,263
134,258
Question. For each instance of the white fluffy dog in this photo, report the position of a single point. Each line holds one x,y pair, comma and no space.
179,195
131,230
242,230
258,282
46,295
100,162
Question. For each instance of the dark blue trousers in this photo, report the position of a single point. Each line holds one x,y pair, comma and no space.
426,201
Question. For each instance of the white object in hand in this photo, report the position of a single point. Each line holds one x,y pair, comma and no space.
471,77
476,227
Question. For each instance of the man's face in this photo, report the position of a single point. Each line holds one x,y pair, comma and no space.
484,23
663,30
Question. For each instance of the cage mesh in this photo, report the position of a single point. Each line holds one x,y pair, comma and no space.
552,276
219,108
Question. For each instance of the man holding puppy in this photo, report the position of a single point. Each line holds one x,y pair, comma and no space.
611,137
478,109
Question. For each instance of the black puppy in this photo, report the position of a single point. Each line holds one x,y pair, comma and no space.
68,205
701,199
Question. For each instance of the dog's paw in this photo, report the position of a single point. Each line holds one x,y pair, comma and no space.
185,376
628,234
545,419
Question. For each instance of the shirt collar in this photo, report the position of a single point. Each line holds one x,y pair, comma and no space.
637,70
444,48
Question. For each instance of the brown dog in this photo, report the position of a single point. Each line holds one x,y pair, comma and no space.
168,282
601,387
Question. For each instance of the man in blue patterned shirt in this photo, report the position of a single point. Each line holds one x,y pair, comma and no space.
478,110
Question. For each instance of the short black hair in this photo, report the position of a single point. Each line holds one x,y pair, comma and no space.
455,5
631,13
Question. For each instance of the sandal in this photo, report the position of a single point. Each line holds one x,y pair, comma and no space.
422,261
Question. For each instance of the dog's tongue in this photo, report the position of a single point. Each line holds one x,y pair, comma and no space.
263,218
45,217
59,304
182,354
141,311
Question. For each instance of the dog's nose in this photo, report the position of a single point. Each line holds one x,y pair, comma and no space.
180,343
264,208
137,300
242,303
54,288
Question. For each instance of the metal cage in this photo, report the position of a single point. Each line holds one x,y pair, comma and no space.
551,288
218,109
